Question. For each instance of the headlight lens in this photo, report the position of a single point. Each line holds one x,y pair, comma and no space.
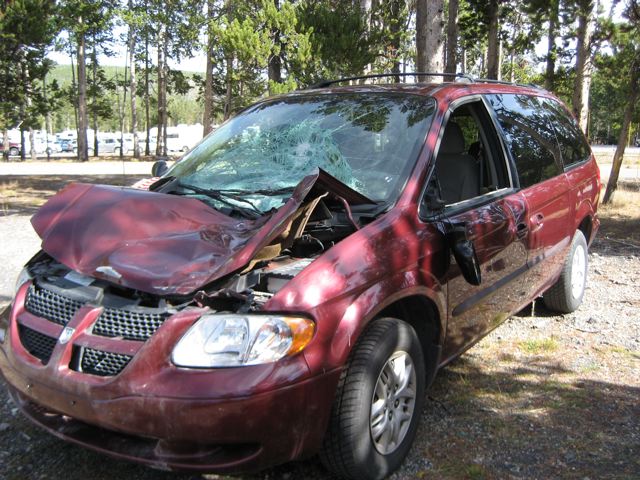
231,340
23,277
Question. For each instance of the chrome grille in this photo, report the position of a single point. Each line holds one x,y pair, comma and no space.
37,344
50,305
128,324
104,364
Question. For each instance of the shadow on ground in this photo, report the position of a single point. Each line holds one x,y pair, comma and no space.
530,418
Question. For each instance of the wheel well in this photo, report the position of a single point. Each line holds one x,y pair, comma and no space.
585,227
422,314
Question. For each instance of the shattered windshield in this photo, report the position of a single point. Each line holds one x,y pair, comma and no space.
368,141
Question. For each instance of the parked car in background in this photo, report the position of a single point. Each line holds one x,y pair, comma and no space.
68,145
295,282
108,145
14,148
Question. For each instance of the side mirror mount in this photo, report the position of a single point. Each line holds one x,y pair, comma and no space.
465,253
433,202
159,168
433,198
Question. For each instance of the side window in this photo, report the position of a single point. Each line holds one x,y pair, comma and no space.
469,162
529,135
573,145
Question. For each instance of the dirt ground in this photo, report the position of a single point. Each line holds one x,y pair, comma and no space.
543,396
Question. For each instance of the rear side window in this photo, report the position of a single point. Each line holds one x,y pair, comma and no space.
573,145
530,137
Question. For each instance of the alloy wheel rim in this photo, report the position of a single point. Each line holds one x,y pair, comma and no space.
393,403
578,271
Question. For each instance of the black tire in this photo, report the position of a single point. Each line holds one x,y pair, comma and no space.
566,295
349,449
14,151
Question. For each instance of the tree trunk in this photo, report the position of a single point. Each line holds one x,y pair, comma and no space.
47,118
82,98
549,76
421,37
132,88
582,84
147,106
493,48
452,37
94,71
634,92
228,96
207,118
394,43
161,148
122,110
274,68
5,145
22,142
74,87
429,37
32,142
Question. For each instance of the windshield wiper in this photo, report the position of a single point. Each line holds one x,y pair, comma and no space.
227,197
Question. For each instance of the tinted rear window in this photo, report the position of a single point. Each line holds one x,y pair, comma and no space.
530,137
573,145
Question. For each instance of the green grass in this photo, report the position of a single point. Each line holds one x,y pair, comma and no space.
539,346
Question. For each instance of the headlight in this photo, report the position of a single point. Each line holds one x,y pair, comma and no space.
231,340
22,278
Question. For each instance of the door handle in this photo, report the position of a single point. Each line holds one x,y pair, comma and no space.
537,221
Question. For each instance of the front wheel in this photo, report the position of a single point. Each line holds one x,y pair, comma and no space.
13,151
566,294
377,406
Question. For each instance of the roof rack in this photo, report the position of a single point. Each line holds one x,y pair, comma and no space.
327,83
458,77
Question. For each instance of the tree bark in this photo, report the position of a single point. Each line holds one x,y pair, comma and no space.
582,84
147,106
634,93
229,93
274,68
394,43
429,37
161,147
94,68
421,36
82,97
493,48
122,110
207,118
5,145
452,37
549,76
132,88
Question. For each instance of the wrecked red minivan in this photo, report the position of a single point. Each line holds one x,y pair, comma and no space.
294,283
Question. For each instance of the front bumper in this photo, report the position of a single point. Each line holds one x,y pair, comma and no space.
231,420
234,436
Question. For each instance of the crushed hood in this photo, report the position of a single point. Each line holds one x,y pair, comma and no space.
160,243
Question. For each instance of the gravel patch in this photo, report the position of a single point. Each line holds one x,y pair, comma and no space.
543,396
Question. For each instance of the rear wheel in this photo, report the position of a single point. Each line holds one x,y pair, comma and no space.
377,407
567,293
13,151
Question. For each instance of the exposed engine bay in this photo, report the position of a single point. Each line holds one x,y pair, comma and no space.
319,223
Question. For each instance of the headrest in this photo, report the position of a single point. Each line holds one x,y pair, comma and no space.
452,140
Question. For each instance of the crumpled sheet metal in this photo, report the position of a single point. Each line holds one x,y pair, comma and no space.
154,242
